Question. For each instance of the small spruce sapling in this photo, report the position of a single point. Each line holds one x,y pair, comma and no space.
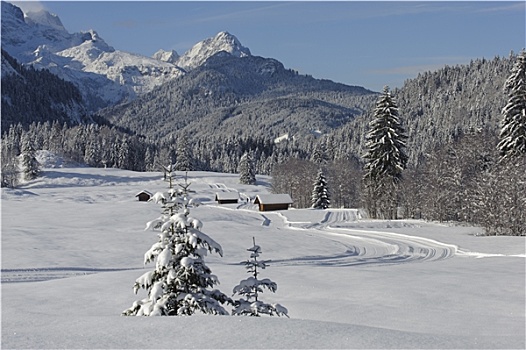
252,286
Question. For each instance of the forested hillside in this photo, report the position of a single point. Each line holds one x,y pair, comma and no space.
247,97
228,111
30,95
438,107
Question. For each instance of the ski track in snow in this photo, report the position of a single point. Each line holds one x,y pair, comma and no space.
371,247
367,247
51,273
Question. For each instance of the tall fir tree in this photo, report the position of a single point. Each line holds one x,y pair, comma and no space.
512,143
385,158
320,192
183,160
251,287
247,172
8,165
30,165
181,282
319,154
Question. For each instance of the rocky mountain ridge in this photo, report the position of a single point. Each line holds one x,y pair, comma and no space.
104,75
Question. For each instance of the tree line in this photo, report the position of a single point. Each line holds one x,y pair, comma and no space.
452,168
478,177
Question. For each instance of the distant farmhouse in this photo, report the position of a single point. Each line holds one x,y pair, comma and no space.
227,197
143,196
269,202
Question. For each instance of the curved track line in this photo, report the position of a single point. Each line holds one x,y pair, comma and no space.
366,247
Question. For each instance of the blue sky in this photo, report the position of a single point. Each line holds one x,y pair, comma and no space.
366,43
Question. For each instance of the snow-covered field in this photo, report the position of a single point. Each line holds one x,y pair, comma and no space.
73,244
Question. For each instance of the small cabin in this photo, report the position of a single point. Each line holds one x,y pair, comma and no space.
144,196
227,197
268,202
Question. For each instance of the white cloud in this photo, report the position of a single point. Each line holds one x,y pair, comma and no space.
30,6
518,6
431,64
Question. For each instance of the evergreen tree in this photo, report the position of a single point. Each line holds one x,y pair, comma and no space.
319,155
8,165
123,155
30,165
385,158
183,156
513,127
320,193
180,282
252,286
247,174
92,156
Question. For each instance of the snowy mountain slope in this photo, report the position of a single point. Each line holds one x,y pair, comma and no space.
8,65
106,76
30,95
227,94
347,282
166,56
136,74
207,48
23,33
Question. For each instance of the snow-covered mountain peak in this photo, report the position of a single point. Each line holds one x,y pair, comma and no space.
23,33
44,18
104,75
88,51
166,56
203,50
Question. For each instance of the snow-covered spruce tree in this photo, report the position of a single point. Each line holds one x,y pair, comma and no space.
30,165
181,282
247,172
512,143
8,164
319,154
252,286
320,192
385,158
183,154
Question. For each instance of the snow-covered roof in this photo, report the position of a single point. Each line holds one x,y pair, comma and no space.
227,196
144,191
281,198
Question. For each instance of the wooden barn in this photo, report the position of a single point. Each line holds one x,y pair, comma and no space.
269,202
227,197
144,196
